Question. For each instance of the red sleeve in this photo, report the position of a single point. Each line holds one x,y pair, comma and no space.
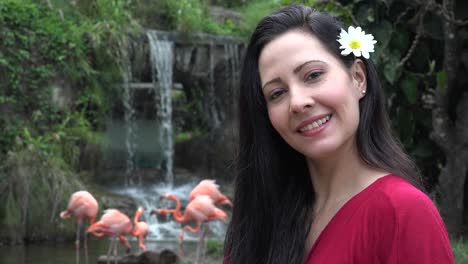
421,236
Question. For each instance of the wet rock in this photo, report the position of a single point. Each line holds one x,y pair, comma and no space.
222,15
148,257
167,256
123,203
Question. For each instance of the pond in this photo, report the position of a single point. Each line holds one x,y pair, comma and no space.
64,252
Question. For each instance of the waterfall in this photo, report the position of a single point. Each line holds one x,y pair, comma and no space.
130,121
166,228
232,57
213,112
160,136
162,57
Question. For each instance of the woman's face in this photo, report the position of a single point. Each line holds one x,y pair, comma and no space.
312,98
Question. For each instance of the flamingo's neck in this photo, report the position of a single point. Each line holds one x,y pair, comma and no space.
137,216
92,220
176,212
135,221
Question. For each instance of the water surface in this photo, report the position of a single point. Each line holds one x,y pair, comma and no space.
64,252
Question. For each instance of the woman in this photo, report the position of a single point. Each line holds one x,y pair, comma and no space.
321,178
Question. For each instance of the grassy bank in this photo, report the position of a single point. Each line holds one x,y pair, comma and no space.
460,250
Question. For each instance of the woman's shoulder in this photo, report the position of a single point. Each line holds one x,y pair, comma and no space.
404,203
416,230
401,194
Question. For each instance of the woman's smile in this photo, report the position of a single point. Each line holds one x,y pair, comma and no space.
313,126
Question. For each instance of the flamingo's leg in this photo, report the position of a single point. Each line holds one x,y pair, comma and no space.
85,245
193,230
125,242
110,250
77,241
205,233
181,235
141,242
181,240
200,245
116,244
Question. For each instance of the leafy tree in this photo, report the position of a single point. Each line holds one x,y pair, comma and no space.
49,47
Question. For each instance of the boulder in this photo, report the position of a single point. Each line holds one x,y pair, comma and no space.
147,257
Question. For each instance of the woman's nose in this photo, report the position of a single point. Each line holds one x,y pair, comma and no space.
300,100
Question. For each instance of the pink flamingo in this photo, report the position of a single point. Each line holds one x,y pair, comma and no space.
210,188
141,228
115,224
201,209
81,206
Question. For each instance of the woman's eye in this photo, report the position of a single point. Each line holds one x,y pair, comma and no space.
313,75
275,94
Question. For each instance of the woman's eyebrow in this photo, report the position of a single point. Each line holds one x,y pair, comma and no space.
298,68
277,79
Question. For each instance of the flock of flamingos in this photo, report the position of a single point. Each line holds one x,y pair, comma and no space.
201,208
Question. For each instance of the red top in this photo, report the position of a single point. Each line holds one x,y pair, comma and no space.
389,222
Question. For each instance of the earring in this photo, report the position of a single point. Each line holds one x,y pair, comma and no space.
363,92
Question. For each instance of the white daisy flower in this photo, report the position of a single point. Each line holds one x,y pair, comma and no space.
357,42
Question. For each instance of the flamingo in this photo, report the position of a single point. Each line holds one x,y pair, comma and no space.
81,206
141,228
201,209
210,188
115,224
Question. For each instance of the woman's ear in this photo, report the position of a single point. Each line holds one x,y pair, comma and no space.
358,75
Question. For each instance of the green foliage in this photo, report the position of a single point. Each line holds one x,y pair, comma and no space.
460,251
214,248
409,86
441,80
77,49
187,16
187,135
35,182
40,50
32,49
252,13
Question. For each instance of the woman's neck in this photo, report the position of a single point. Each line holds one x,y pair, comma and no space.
340,176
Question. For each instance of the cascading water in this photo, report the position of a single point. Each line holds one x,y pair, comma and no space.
214,114
148,195
167,229
162,58
232,57
130,122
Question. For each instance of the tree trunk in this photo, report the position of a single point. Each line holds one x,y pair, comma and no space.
451,183
451,135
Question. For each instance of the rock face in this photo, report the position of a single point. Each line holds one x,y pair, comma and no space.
206,68
221,14
148,257
206,71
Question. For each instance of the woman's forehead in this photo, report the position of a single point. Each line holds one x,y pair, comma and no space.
291,50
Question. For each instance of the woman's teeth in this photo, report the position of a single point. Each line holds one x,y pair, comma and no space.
316,124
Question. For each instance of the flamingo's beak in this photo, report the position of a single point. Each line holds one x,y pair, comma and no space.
96,229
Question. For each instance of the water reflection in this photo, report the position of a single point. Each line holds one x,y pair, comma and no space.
64,253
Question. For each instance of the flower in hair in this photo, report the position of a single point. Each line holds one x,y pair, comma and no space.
356,41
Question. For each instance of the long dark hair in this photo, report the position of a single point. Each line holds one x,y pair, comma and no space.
274,195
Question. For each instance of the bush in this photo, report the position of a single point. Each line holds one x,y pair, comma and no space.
214,248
